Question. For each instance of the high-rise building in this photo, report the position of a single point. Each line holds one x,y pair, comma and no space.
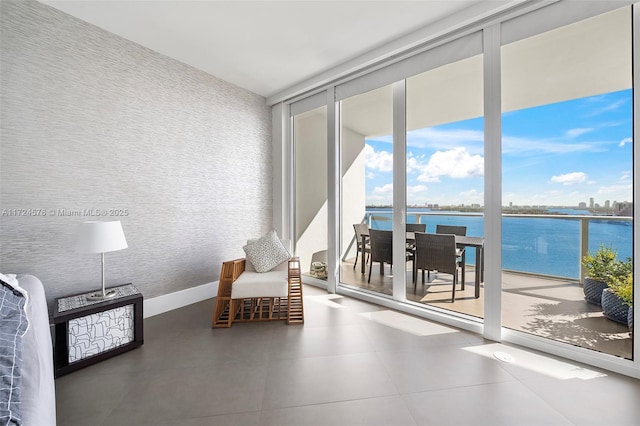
591,202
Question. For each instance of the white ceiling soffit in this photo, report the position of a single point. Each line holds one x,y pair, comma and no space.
269,46
587,58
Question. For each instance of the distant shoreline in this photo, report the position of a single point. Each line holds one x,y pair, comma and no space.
511,209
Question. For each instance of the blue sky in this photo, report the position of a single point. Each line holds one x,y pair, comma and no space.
556,154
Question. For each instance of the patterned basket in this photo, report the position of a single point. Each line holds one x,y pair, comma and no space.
593,291
613,308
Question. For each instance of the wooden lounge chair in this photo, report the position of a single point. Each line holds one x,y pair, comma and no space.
246,296
264,286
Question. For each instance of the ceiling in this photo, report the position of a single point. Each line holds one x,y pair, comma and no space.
269,46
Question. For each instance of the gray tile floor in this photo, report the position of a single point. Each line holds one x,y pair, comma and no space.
351,363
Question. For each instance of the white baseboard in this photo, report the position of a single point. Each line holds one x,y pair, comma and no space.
168,302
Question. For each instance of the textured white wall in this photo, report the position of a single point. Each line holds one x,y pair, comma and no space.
92,121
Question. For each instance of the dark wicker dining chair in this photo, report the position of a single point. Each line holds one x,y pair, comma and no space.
456,230
381,249
416,227
437,252
411,245
451,229
359,229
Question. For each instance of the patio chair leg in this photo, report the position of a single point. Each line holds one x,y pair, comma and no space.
455,282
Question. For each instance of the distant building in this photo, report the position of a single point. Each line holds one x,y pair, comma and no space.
624,209
582,205
591,202
607,204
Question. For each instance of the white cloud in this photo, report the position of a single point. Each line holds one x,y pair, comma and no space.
574,133
380,160
443,139
626,175
414,164
570,178
385,189
625,141
472,196
416,194
416,189
618,192
610,107
525,146
456,163
371,175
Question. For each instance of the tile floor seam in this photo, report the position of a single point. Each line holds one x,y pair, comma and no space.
115,407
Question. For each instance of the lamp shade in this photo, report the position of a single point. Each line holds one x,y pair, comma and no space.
100,237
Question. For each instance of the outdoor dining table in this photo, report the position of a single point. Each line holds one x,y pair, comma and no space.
461,241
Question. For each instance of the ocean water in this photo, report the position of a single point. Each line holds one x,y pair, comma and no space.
537,245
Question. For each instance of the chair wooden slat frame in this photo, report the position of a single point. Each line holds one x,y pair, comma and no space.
228,310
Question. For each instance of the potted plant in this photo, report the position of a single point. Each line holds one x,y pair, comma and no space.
599,268
618,298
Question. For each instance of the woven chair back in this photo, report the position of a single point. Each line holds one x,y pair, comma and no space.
451,229
416,227
436,252
381,245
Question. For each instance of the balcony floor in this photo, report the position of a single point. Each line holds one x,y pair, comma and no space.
546,307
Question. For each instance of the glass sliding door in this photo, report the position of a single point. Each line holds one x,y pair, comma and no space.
310,182
445,174
366,153
567,178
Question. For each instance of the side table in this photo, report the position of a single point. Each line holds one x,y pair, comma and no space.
88,331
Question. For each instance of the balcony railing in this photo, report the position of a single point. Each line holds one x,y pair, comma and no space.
541,244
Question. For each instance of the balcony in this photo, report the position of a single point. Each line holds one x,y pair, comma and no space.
546,305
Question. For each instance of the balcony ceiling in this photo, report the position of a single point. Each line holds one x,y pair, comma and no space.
587,58
268,46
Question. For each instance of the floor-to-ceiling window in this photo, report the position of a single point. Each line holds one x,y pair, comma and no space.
310,224
445,170
567,178
565,154
366,153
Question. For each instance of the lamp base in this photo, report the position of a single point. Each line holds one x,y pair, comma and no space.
99,296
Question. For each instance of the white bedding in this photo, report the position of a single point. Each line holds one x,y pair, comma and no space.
38,388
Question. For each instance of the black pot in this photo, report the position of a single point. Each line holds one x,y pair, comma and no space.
593,291
613,308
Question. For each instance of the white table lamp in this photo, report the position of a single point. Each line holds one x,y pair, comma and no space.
101,237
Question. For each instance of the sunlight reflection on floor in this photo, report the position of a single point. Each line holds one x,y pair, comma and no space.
538,363
327,300
407,323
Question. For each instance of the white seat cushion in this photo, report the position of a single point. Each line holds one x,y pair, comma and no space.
260,284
